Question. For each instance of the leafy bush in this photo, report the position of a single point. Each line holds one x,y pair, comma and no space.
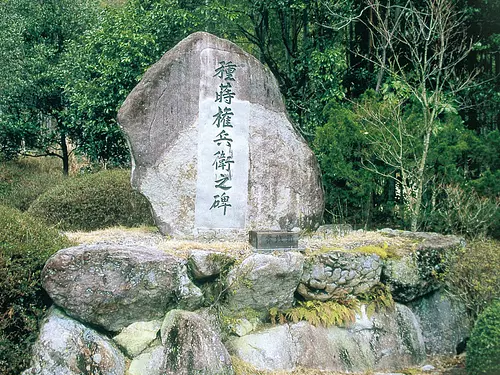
22,181
25,245
483,348
93,201
473,275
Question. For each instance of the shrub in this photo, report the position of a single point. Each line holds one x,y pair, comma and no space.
473,275
483,348
25,245
93,201
465,212
22,181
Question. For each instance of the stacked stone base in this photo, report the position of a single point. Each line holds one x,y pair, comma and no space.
122,310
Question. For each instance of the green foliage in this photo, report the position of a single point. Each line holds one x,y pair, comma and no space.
93,201
108,60
33,37
483,348
465,212
317,313
473,275
25,245
377,299
22,181
349,188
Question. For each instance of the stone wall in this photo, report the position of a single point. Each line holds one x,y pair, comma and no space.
128,310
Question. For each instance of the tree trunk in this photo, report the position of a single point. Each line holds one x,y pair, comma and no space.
420,182
65,154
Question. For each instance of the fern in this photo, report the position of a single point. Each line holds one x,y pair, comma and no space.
326,314
377,299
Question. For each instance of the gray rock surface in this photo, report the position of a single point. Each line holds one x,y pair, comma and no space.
418,272
138,337
389,340
328,230
330,274
189,346
67,347
163,118
207,264
113,286
444,322
263,281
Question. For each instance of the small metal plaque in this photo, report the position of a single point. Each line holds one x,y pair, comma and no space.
274,240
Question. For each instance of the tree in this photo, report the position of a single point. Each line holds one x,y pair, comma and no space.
287,35
33,37
108,60
421,51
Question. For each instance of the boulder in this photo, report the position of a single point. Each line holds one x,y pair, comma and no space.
444,321
67,347
263,281
389,340
138,337
189,346
331,274
212,147
418,272
205,265
150,362
112,286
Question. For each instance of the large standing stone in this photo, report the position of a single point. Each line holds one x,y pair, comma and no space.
67,347
113,286
390,340
263,281
212,147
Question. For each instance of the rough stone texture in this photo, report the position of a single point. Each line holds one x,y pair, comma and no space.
149,362
417,273
189,346
263,281
207,264
384,341
67,347
427,239
160,119
330,274
137,337
242,326
444,323
113,286
333,230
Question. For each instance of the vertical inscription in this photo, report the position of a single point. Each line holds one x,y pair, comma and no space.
222,178
223,158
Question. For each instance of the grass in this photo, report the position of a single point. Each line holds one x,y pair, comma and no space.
359,241
150,236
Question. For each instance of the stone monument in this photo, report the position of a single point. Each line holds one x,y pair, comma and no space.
212,147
